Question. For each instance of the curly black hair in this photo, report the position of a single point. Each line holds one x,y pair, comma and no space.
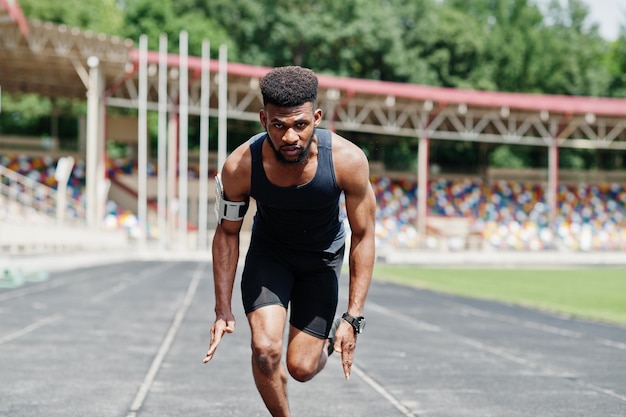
289,87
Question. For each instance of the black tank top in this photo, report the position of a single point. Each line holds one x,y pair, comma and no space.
304,217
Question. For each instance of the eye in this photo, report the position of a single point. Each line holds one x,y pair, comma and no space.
278,125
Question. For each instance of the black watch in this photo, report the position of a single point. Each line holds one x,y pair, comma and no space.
357,323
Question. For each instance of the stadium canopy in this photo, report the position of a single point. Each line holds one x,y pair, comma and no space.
58,61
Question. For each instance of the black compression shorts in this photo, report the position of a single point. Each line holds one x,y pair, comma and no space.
307,282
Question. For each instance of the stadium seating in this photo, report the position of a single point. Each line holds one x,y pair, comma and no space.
509,215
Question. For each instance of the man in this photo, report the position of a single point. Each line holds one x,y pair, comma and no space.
296,173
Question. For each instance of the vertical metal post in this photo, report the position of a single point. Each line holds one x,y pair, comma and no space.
172,149
204,148
553,174
162,144
183,151
422,187
222,107
142,146
62,175
93,119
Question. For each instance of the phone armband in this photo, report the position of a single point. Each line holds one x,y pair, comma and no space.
224,209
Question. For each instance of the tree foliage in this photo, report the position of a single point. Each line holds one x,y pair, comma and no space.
508,45
102,16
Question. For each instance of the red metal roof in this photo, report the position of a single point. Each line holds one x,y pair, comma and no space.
561,104
14,11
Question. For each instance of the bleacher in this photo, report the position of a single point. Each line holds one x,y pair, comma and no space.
508,214
31,221
464,213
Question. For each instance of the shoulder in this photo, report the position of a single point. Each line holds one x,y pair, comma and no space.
347,154
236,172
350,162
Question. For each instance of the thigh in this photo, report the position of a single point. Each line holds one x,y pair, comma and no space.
315,293
266,279
267,325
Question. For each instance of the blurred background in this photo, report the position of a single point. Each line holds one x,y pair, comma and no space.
490,125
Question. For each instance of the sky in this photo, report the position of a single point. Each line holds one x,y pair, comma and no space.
608,13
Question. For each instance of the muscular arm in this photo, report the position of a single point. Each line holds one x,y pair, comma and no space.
352,171
225,249
361,211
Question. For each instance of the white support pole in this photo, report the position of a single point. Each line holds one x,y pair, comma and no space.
422,187
172,202
62,175
203,200
222,107
183,151
162,144
93,119
142,146
553,175
104,184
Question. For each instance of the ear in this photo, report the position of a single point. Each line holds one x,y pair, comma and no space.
317,117
263,118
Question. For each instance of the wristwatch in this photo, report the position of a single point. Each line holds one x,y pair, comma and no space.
358,323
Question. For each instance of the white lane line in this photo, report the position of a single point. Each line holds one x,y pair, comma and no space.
537,326
612,343
166,344
526,323
59,282
382,391
62,281
30,328
603,390
109,292
501,352
473,342
127,280
420,325
47,285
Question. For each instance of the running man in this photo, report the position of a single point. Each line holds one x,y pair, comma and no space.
296,173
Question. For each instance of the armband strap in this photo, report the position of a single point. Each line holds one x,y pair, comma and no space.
229,210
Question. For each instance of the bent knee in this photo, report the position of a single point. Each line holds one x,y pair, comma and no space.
302,372
266,355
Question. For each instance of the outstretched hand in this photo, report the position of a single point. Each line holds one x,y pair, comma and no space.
345,342
219,328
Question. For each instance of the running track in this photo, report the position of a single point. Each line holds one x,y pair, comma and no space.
127,339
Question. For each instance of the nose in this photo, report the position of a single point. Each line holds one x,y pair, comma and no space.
291,137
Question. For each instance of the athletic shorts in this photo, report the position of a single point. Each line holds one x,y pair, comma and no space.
306,282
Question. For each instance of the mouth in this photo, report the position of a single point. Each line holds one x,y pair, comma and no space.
291,151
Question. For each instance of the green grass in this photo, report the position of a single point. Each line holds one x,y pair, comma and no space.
597,294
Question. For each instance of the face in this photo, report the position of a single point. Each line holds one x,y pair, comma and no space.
290,130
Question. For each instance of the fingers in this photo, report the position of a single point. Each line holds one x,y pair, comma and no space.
212,347
218,329
348,345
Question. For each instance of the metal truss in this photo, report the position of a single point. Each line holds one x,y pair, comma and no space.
51,60
390,116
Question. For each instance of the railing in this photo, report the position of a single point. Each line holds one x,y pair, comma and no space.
30,200
31,222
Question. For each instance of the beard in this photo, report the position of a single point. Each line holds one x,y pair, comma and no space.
300,159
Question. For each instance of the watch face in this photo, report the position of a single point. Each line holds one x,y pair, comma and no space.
358,323
361,325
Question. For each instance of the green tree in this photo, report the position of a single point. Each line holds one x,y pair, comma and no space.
156,18
438,45
616,64
102,16
573,54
